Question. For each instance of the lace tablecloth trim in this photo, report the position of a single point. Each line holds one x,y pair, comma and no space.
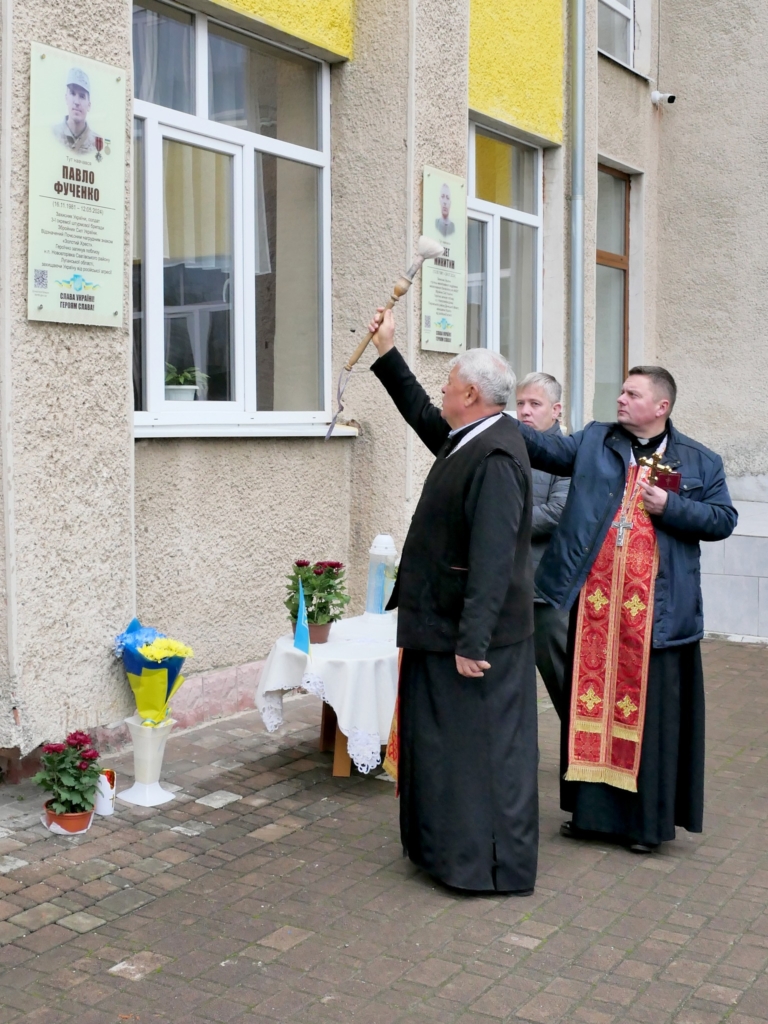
365,749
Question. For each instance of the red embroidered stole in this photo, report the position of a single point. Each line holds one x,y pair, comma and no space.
392,755
613,648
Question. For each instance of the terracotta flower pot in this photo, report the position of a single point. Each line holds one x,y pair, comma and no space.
74,821
318,634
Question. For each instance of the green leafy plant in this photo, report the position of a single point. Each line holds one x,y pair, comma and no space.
70,773
185,377
325,590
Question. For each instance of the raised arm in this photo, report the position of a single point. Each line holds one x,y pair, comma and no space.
554,453
412,401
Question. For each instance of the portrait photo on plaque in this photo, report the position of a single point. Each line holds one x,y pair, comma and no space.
76,189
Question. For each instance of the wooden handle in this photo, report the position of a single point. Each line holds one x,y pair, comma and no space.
401,287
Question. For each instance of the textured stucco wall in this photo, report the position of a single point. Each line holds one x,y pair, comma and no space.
516,63
66,442
329,24
218,524
713,210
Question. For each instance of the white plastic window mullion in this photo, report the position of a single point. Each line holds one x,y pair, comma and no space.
494,283
248,286
154,310
201,67
619,7
326,311
242,229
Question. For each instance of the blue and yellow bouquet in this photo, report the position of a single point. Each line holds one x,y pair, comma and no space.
153,664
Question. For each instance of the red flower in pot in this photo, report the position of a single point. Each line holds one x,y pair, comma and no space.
70,773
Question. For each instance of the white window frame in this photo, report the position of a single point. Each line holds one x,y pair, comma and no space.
629,14
492,215
239,416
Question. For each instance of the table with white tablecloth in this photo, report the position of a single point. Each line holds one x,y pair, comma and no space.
355,673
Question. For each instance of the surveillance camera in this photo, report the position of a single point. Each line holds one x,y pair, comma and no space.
657,98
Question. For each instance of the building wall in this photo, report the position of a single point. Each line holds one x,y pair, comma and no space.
713,208
516,64
328,24
66,436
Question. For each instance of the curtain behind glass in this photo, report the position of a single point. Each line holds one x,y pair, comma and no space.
611,213
289,370
517,306
197,259
613,33
163,55
260,88
139,341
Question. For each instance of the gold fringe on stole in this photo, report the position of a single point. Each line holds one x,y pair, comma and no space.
601,773
626,732
587,725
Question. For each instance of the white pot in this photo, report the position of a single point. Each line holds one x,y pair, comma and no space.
148,750
105,794
180,392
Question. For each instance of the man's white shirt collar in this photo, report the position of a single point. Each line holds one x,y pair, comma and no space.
481,426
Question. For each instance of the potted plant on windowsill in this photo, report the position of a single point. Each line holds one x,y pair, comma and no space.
70,773
325,595
183,385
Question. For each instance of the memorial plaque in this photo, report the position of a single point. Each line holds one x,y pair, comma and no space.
76,189
444,281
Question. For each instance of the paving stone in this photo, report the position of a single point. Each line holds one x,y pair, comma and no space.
90,870
37,917
8,863
81,922
138,967
220,798
125,901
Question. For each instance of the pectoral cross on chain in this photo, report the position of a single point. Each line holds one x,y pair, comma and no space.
620,526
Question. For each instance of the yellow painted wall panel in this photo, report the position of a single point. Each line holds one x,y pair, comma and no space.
324,23
516,63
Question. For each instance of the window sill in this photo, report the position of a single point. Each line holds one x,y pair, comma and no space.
621,64
142,431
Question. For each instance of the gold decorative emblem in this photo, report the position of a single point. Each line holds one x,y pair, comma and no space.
598,600
626,706
635,606
590,700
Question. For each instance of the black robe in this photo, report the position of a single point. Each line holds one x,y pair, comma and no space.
670,783
468,747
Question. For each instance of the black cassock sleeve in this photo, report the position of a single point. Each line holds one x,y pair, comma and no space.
411,399
494,509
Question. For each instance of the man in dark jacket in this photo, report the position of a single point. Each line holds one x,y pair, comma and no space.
625,559
464,592
539,406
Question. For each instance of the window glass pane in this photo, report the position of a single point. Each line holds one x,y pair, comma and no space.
288,309
197,185
139,336
611,213
163,55
262,89
613,33
517,293
477,284
609,341
505,172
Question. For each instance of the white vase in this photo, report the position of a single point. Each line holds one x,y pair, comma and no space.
105,793
180,392
148,750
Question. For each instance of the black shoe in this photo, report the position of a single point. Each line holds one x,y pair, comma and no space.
641,848
569,831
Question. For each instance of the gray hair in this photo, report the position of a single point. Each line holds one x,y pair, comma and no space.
550,385
490,373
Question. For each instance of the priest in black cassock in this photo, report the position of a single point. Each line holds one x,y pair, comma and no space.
467,702
625,560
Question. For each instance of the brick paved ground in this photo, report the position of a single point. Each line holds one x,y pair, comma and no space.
293,903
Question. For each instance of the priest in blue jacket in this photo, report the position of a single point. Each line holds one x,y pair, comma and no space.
625,561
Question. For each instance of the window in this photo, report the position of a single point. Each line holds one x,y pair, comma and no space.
230,236
615,29
612,290
504,248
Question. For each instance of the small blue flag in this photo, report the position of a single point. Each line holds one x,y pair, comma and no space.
301,636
